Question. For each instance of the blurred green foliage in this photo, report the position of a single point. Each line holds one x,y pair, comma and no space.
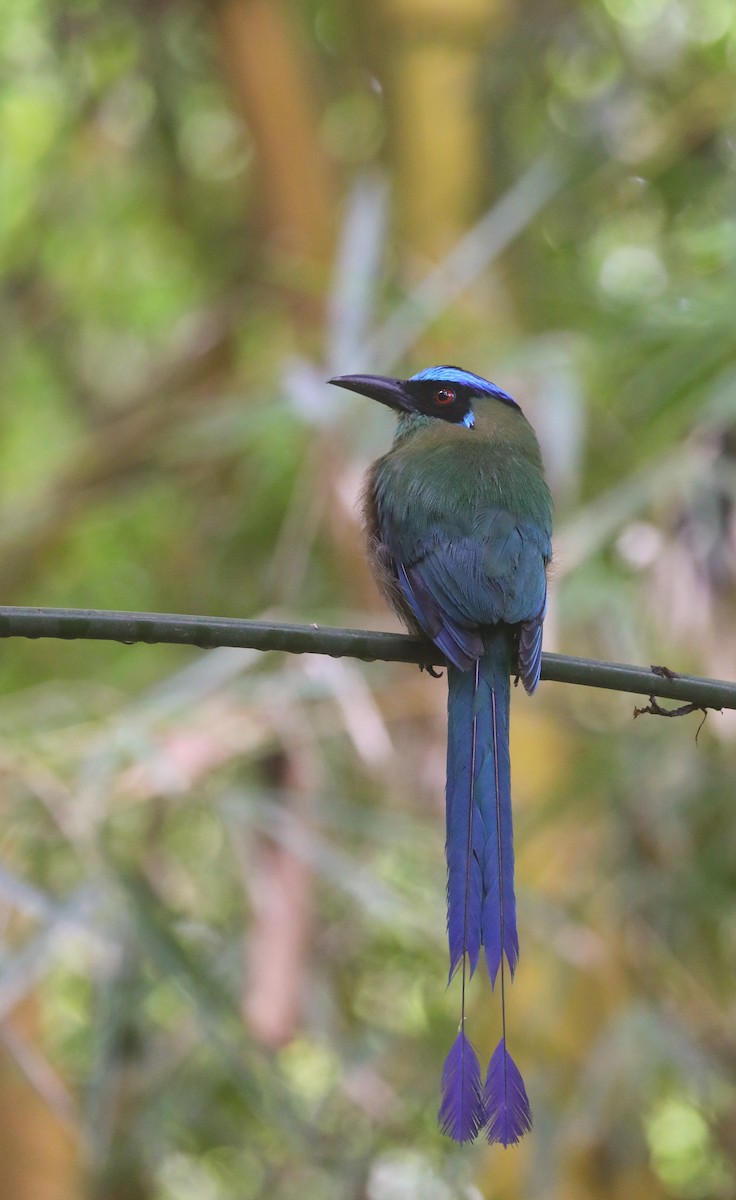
221,877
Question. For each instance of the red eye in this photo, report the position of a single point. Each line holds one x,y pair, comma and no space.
444,396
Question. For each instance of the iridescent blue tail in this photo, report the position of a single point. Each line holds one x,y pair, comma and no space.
481,905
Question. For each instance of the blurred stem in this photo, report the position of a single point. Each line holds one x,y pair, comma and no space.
38,1151
434,52
70,624
281,884
117,1171
274,91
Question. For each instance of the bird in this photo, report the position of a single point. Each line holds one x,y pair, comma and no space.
458,521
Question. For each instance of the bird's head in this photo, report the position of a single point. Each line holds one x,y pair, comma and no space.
446,393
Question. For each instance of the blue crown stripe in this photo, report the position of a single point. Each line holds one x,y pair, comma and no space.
466,378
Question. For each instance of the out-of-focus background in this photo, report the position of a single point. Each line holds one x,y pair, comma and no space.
221,874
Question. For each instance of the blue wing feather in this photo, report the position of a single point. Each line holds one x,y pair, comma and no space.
495,574
530,650
461,646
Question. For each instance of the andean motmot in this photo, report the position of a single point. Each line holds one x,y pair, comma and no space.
458,518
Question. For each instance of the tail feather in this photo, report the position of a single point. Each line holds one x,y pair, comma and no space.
506,1103
478,725
464,866
462,1112
500,933
481,905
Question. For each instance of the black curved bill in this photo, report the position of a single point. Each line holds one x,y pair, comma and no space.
377,387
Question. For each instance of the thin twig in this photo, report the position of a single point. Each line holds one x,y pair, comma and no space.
655,709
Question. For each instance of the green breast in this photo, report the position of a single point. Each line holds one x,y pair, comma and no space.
445,474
